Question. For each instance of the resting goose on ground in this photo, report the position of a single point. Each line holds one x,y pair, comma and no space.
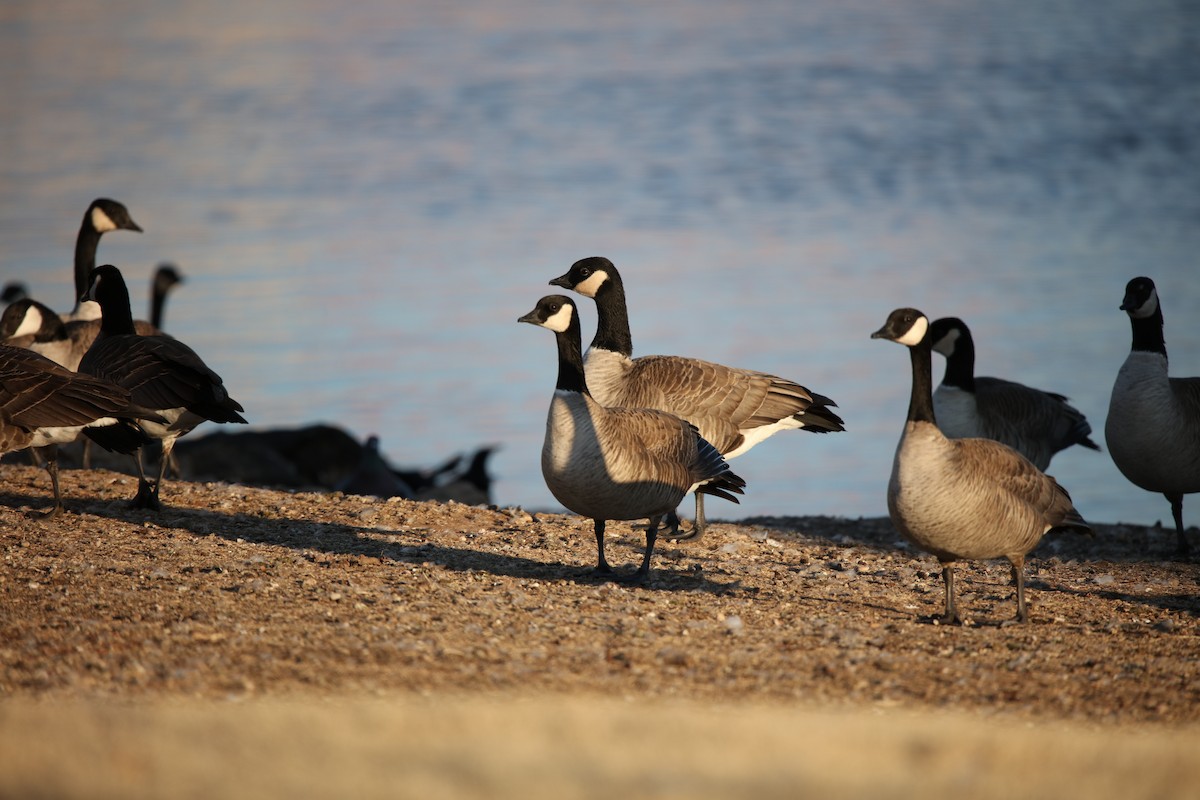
160,372
1036,424
734,409
618,463
43,405
965,498
102,216
1153,425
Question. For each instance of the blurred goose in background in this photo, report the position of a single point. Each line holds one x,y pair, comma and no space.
13,291
618,463
43,405
1153,425
734,409
160,372
166,277
965,498
102,216
1035,423
374,476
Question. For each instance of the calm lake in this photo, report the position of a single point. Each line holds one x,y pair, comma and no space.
365,196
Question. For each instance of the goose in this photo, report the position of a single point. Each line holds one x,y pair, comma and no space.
965,498
733,408
618,463
102,216
43,405
1035,423
160,372
1153,424
166,277
33,325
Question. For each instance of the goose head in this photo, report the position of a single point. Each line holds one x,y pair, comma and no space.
906,326
587,275
945,334
108,215
1141,298
555,312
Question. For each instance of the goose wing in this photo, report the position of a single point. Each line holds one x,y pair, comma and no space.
1012,412
1017,479
37,393
722,401
161,372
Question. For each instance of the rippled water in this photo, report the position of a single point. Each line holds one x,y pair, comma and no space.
365,197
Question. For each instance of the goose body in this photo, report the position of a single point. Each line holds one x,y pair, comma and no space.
43,404
1153,424
964,498
1035,423
160,372
618,463
102,216
733,408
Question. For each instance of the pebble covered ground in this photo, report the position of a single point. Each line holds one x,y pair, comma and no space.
232,593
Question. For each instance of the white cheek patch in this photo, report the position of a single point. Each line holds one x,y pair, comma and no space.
946,344
560,320
916,333
1147,308
101,221
30,323
592,283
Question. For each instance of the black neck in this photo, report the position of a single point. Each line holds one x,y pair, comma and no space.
158,299
960,365
85,254
1148,333
113,297
570,359
920,405
612,318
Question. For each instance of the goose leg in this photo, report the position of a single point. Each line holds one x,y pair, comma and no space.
675,530
168,447
951,616
147,496
1018,577
51,453
651,537
698,528
1182,549
602,567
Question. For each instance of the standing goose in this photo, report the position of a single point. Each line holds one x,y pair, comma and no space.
43,405
160,372
1036,424
102,216
1153,425
734,409
618,463
964,498
34,326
